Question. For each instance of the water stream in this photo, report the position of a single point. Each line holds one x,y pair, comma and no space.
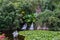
31,27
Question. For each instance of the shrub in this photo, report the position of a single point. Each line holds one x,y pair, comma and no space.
54,23
52,19
13,14
40,35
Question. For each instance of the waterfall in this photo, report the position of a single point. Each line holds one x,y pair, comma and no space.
24,26
31,27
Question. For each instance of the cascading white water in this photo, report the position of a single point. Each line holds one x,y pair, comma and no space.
24,26
31,27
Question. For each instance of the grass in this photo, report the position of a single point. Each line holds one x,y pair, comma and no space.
40,35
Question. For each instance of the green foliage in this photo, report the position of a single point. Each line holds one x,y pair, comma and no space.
55,21
8,17
30,18
40,35
43,16
13,12
52,19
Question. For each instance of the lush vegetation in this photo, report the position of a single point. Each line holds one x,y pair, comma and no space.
14,13
40,35
51,19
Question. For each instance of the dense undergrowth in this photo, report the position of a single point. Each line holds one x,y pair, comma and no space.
40,35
